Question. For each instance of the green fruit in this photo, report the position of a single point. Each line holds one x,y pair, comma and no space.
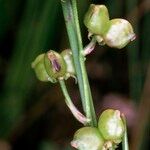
55,65
67,56
119,34
88,138
39,68
111,125
97,19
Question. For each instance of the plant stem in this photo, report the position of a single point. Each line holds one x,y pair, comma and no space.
90,113
73,29
90,47
68,16
77,114
125,145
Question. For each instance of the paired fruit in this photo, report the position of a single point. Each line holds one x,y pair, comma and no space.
108,134
116,33
52,66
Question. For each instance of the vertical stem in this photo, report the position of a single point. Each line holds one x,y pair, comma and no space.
90,113
73,29
125,145
68,15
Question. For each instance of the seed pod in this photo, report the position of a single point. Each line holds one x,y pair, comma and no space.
55,65
119,34
70,70
88,138
111,125
39,68
97,19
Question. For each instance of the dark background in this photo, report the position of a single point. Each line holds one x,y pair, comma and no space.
33,114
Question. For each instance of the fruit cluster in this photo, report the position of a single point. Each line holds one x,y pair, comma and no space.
52,66
107,135
116,33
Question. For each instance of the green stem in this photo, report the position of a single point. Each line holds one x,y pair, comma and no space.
125,145
68,16
90,111
77,114
73,29
76,20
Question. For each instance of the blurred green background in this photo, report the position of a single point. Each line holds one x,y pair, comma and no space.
33,114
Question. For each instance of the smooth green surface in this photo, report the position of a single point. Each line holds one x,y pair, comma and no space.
111,125
39,68
88,138
125,144
97,19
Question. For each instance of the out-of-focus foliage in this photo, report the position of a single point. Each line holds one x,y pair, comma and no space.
31,38
33,114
